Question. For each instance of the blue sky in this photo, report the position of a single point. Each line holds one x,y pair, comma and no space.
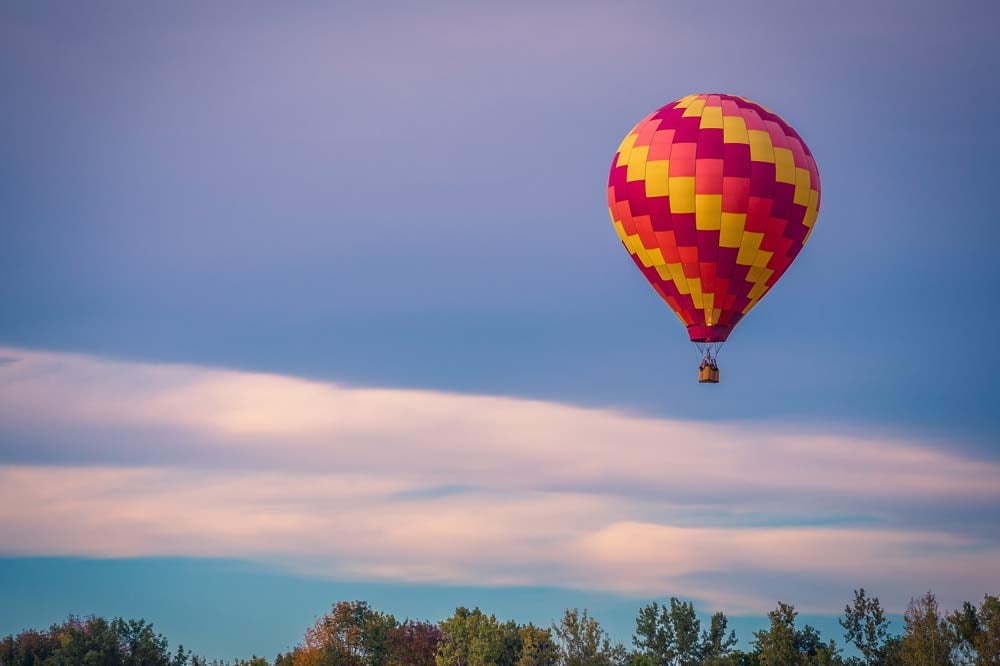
403,207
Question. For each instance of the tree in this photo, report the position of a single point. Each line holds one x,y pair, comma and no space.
470,638
537,647
977,632
413,644
776,645
866,627
965,629
784,645
654,634
892,652
670,634
928,640
812,649
687,632
511,644
987,642
716,646
141,645
28,648
351,634
583,642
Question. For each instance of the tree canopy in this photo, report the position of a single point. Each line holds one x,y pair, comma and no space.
353,633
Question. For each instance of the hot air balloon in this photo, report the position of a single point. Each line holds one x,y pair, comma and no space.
713,196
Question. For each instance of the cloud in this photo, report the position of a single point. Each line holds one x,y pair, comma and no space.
113,459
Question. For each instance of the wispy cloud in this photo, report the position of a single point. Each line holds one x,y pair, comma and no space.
108,458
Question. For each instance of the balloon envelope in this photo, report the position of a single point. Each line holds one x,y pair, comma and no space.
713,196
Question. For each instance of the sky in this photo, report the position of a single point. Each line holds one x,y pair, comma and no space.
308,301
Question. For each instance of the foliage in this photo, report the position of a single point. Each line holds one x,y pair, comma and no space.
716,647
92,641
471,638
537,647
413,644
784,645
671,634
866,627
354,634
928,640
976,632
654,635
583,642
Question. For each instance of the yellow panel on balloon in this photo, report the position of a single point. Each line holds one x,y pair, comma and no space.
694,108
637,163
683,102
758,290
734,130
640,251
784,165
653,257
657,173
732,229
762,257
681,194
811,210
801,187
695,285
677,272
711,118
761,149
708,212
749,245
759,271
625,149
631,243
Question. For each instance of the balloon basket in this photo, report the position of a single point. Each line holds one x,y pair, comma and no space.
708,375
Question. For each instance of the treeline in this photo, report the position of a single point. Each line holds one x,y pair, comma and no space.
670,634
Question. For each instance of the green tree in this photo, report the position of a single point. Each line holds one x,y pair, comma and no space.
776,645
687,632
583,642
470,638
717,648
928,640
654,635
866,627
92,641
783,645
977,631
965,629
141,645
511,644
892,652
669,634
537,647
987,642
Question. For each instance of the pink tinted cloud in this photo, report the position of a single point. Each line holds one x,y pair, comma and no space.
413,485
